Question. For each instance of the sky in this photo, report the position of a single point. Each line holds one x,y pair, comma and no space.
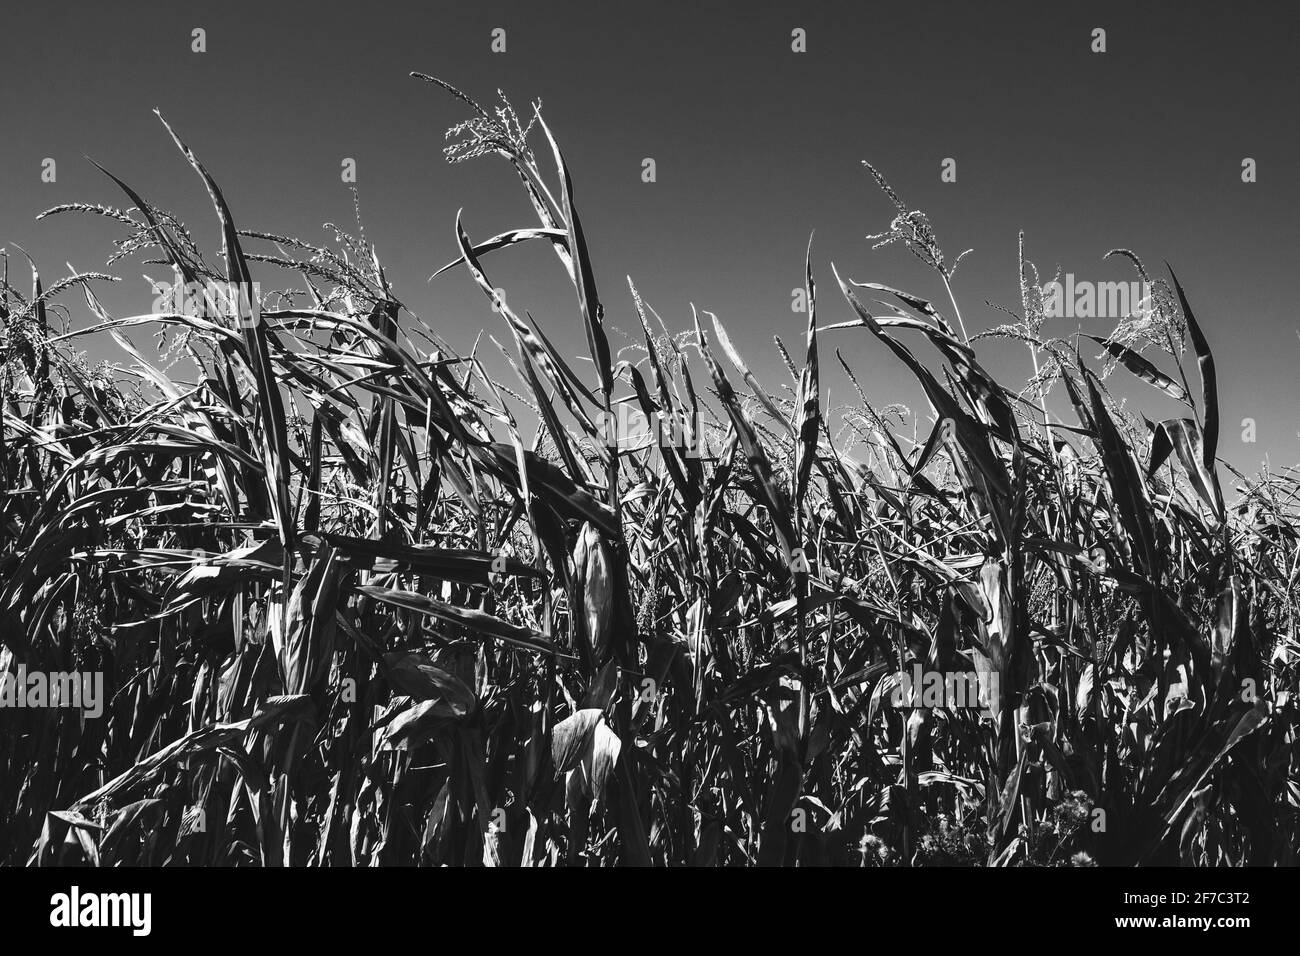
756,147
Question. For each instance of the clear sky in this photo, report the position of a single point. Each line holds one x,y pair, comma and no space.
755,146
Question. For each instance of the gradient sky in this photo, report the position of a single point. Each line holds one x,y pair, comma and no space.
755,147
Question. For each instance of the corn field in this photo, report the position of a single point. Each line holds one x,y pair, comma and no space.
358,602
